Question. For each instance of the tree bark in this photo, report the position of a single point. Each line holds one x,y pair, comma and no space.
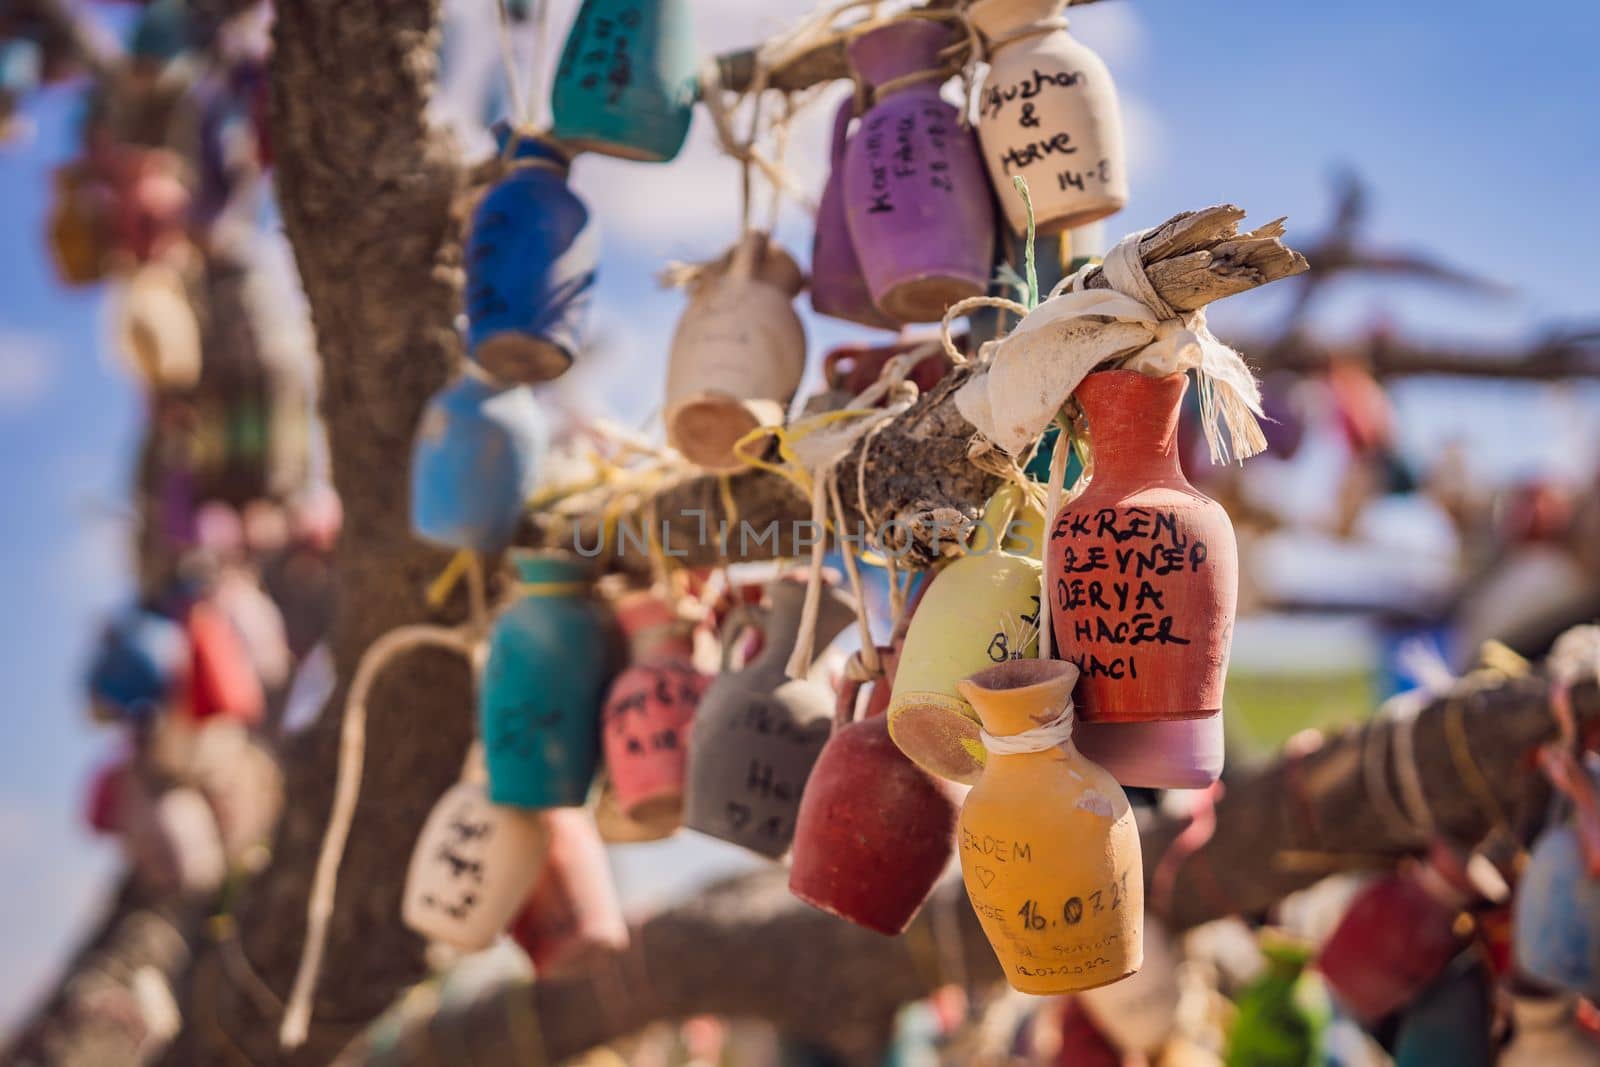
366,189
746,948
915,479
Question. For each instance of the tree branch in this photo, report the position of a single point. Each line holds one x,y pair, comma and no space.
915,471
746,949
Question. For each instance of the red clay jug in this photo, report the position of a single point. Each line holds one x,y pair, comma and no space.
1397,936
573,910
647,713
875,831
1143,567
222,679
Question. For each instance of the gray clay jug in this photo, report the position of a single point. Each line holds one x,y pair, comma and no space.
758,732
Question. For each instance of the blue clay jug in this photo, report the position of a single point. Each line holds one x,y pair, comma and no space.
531,258
139,665
1556,915
1449,1024
626,83
539,705
477,456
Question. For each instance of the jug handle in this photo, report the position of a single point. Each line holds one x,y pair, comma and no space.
855,676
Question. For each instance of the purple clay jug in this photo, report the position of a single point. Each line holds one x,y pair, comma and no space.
918,206
838,288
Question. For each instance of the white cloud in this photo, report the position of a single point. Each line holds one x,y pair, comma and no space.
29,366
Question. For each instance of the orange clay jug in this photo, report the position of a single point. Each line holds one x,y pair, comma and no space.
1049,849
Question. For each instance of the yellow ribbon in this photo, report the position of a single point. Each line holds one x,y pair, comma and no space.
550,589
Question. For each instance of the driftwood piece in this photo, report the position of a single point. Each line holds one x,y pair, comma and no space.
911,483
747,949
826,63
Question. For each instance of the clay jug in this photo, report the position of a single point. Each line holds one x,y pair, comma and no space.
1049,849
473,864
539,705
222,680
1546,1033
1397,936
1081,1041
838,287
1450,1023
1144,571
1556,915
573,911
616,828
531,257
738,352
647,712
156,335
1178,754
478,455
1280,1018
626,82
1140,1012
980,610
80,225
920,212
851,369
140,664
103,812
1048,112
171,839
758,731
875,831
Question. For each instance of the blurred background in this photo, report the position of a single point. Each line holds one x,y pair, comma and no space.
1436,161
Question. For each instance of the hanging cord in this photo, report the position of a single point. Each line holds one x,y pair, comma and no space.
541,44
1058,474
347,789
508,58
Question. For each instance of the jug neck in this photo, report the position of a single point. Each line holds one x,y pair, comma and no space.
781,622
551,573
1005,22
1020,694
1133,424
908,46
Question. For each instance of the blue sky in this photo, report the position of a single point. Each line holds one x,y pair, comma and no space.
1475,126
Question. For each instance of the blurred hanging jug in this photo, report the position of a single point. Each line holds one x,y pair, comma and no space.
1049,849
758,731
539,705
1556,915
141,663
572,911
1451,1021
920,212
838,288
1143,568
1048,112
648,711
478,455
473,864
980,610
1397,936
626,82
875,831
738,353
531,257
1546,1033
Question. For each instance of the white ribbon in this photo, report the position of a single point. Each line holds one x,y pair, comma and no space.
1053,734
1037,366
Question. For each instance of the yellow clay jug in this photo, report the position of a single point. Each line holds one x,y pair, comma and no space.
980,610
1049,849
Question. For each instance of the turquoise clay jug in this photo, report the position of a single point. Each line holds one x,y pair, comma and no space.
477,457
1450,1023
626,83
539,706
